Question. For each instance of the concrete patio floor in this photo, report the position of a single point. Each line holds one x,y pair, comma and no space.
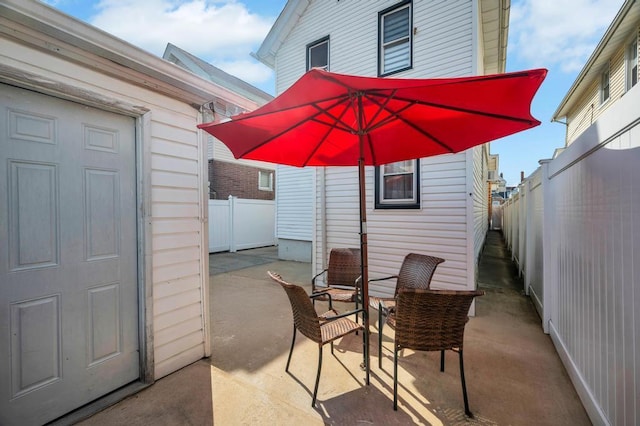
514,375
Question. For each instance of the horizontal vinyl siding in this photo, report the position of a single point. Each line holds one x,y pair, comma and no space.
438,228
176,242
480,200
294,212
443,39
590,108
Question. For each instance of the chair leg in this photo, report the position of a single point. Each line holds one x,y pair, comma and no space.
442,360
395,377
380,325
315,390
464,387
293,341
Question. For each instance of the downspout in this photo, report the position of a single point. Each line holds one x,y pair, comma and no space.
205,114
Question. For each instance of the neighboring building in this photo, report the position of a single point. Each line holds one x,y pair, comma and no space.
442,206
228,176
103,232
610,72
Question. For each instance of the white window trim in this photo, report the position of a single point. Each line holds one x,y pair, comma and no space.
407,203
265,188
627,62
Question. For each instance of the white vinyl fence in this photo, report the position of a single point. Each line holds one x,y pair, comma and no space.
238,224
574,229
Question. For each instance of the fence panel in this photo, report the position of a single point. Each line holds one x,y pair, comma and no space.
238,224
582,248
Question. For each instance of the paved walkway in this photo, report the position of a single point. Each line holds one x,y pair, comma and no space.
514,375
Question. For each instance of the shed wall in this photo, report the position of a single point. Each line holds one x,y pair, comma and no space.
175,160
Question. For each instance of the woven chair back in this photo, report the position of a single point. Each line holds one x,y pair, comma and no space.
416,271
432,320
344,267
305,318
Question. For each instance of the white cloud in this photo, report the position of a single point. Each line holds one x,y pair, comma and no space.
546,33
220,32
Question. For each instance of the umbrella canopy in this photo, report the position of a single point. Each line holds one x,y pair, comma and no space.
329,119
318,120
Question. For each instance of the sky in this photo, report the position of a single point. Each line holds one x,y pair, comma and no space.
542,34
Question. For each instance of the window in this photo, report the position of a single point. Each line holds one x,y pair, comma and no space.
265,180
395,39
318,54
397,185
604,85
632,64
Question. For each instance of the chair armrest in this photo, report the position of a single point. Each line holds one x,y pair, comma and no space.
385,278
322,293
313,280
344,314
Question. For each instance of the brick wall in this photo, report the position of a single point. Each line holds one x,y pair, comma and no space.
238,180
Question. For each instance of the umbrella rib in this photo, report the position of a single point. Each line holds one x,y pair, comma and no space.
413,126
257,113
277,135
467,110
331,128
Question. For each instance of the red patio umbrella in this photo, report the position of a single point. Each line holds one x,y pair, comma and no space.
329,119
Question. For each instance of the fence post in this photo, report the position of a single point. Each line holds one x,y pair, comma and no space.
529,236
549,255
232,224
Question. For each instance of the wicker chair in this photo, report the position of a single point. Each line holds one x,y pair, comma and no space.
431,320
322,329
416,272
341,276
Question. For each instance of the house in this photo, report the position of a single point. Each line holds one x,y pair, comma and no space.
573,227
228,176
438,205
609,74
103,238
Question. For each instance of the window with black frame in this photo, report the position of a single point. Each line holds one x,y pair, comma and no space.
397,185
318,54
395,40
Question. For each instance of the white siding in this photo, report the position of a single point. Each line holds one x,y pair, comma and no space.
480,200
294,200
175,156
589,108
443,46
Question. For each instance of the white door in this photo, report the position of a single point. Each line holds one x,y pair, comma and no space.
68,255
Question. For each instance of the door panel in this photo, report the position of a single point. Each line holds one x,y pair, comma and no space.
68,255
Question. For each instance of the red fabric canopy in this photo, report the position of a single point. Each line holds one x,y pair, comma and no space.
319,119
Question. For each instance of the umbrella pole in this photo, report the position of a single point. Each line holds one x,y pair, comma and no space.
364,262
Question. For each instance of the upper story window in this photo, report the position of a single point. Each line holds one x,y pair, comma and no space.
395,39
632,64
318,54
398,185
265,180
605,82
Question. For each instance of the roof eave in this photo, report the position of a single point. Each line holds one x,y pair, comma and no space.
66,29
576,88
279,31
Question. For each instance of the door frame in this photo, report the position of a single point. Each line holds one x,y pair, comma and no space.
142,140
